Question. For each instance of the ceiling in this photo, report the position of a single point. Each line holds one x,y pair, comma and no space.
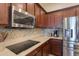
56,6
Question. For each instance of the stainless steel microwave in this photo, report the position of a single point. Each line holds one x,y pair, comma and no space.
21,18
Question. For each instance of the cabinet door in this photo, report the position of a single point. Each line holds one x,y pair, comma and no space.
42,18
69,12
4,13
56,47
31,8
51,20
20,5
56,50
77,11
58,19
46,50
46,24
37,15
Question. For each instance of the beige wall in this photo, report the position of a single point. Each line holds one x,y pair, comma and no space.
56,6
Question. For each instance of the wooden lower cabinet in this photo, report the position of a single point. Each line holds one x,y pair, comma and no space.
56,47
40,51
46,50
56,50
52,46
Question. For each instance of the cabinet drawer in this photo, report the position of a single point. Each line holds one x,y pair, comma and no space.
56,42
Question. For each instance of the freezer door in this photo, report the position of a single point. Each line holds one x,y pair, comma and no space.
68,51
68,44
68,48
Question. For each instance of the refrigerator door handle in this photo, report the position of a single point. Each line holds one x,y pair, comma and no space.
71,33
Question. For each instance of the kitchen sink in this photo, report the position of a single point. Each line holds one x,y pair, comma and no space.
19,47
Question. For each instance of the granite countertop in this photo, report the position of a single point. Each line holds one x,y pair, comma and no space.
6,52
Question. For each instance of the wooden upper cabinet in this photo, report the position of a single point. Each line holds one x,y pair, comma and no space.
58,16
20,5
56,47
46,21
77,11
42,18
4,13
51,20
31,8
69,12
37,15
55,19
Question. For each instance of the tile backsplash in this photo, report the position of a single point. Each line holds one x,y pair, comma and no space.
48,31
17,33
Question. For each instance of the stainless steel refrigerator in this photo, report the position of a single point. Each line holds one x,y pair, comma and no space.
70,35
